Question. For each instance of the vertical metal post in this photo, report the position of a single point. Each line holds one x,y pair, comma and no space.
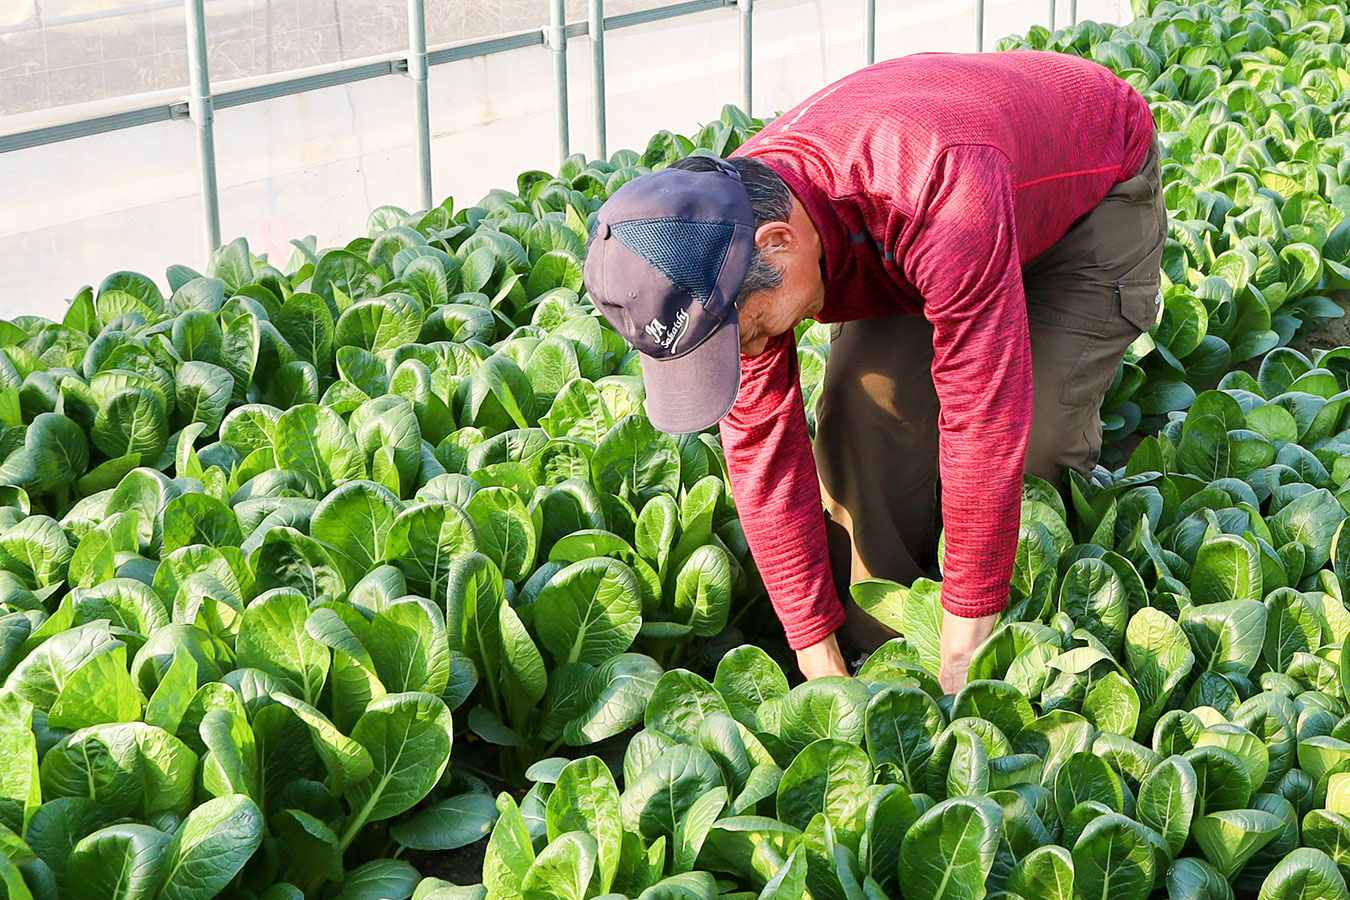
596,29
979,26
417,71
871,31
202,111
747,8
1073,12
1052,15
556,35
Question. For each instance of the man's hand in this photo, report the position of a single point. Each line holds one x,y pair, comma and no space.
960,639
821,659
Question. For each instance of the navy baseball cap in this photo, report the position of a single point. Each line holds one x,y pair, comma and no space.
665,264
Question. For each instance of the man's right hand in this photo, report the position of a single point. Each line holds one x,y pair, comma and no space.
821,659
960,638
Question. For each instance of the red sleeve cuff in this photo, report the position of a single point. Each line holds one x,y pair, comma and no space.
973,610
815,630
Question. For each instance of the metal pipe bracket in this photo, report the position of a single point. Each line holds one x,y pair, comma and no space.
201,110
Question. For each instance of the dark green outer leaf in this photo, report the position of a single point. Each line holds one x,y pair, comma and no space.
829,777
589,612
380,879
1114,860
654,803
449,824
1045,872
1305,874
125,862
408,738
587,799
948,853
1167,798
1195,879
210,847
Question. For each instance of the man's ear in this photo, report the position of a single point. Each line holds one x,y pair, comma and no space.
772,237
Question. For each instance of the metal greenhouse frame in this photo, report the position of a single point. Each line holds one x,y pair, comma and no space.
200,103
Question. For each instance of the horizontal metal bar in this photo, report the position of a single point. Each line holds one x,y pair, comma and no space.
177,109
274,89
348,74
52,134
674,10
532,38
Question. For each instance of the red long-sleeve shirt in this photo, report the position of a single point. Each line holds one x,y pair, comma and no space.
931,180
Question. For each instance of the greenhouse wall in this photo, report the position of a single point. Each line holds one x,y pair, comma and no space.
318,162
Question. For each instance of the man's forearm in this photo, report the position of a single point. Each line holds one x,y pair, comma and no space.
773,477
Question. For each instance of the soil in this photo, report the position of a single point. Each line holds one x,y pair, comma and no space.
463,866
1328,335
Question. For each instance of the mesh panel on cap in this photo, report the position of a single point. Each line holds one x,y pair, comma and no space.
688,252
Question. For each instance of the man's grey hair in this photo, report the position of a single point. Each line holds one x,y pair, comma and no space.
771,201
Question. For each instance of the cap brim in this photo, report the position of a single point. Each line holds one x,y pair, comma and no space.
693,392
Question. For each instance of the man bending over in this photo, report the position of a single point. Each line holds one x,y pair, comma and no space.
984,232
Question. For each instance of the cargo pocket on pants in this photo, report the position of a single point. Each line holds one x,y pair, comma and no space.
1137,302
1087,379
1139,290
1140,301
1133,308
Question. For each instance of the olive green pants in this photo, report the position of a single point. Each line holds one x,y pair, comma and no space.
1088,297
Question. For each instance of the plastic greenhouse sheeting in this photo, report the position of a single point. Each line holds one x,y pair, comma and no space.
316,163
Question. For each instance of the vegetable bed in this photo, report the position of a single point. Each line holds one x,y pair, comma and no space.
307,570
